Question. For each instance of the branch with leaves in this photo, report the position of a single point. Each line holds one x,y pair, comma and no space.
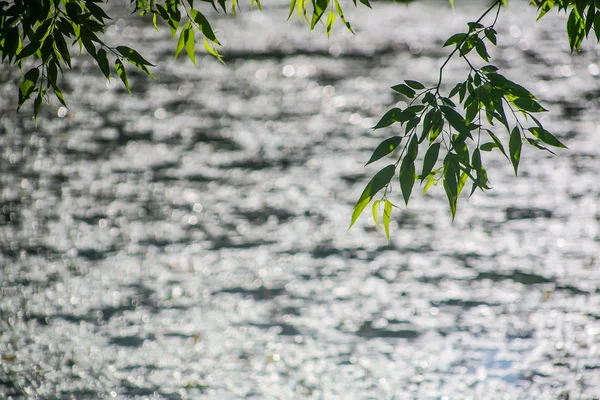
452,130
455,136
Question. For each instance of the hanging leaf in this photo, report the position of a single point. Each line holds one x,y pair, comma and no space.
407,177
378,182
430,159
375,211
387,215
546,137
514,148
122,73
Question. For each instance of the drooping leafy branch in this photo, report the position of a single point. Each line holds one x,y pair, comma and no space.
445,135
456,129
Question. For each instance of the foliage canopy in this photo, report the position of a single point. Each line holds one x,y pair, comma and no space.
445,133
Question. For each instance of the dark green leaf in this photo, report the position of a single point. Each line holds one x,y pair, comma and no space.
132,55
514,148
407,177
405,90
389,118
430,159
28,50
482,51
415,84
456,120
385,148
527,104
103,63
488,146
451,170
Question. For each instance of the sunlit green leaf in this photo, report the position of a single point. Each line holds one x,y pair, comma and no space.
122,73
330,21
455,39
27,85
378,182
527,104
204,25
546,137
375,212
387,215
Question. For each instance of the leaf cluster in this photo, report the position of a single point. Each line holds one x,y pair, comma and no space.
452,131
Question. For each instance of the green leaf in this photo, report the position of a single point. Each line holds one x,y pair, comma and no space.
482,50
389,118
385,148
133,55
28,50
514,147
375,211
292,7
451,169
190,45
378,182
405,90
415,84
497,142
430,159
63,50
387,215
319,7
102,61
59,96
212,50
456,120
407,177
527,104
330,21
455,39
183,37
546,137
339,11
122,73
488,146
27,85
204,25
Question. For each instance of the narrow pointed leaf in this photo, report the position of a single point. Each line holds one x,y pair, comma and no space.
378,182
546,137
387,215
514,148
384,148
430,159
407,177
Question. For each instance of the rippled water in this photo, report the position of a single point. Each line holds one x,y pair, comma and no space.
190,240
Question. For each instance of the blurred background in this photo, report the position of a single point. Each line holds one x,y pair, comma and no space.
190,240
